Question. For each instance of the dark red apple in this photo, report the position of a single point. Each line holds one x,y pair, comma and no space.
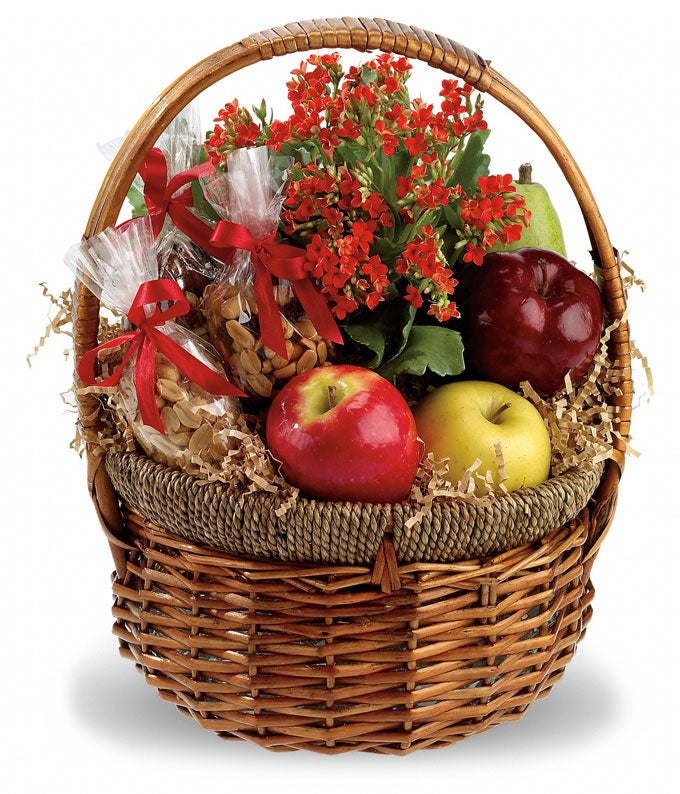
344,433
529,315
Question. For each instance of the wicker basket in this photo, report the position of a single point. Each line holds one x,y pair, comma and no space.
330,629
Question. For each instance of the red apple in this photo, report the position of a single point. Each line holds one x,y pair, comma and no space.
344,433
529,315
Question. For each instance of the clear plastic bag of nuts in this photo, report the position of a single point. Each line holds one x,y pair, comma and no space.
196,427
259,312
233,327
193,269
168,384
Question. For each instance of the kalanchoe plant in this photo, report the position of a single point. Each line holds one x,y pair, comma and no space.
389,196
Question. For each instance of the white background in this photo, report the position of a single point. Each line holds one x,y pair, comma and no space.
78,718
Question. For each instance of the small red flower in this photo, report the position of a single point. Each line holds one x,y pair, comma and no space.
413,296
416,144
348,129
474,253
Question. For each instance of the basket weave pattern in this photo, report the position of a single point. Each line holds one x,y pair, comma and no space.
292,637
316,658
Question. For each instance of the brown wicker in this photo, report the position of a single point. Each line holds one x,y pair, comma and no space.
319,658
332,629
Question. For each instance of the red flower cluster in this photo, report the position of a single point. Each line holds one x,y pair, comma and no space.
425,269
371,105
488,217
235,129
375,191
425,188
339,218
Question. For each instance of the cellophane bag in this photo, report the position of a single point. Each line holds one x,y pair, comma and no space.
250,192
179,257
197,426
193,269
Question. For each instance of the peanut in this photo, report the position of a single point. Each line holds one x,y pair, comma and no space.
169,389
181,439
285,372
279,361
201,438
170,420
260,384
260,369
306,329
186,414
306,361
230,309
250,361
240,334
296,351
322,351
167,372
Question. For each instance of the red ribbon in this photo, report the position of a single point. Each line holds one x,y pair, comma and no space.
144,341
163,198
285,262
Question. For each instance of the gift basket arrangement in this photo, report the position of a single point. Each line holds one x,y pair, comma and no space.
354,422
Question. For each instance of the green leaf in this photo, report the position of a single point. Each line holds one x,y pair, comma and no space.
429,347
203,208
367,75
385,331
348,153
369,336
452,217
472,162
405,316
136,199
303,152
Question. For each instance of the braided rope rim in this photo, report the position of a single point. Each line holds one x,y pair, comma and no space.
220,517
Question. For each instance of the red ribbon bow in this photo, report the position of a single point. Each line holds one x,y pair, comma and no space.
144,341
162,198
285,262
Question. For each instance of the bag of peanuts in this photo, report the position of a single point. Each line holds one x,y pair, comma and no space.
193,269
167,384
263,314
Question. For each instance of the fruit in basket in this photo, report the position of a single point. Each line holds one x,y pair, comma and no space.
545,229
344,433
469,421
529,315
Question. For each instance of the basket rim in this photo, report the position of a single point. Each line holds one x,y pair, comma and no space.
222,517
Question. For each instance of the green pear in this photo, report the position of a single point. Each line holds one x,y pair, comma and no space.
544,229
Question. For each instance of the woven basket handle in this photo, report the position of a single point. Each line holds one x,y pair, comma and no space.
358,34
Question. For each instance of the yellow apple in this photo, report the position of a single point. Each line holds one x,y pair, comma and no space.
467,420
